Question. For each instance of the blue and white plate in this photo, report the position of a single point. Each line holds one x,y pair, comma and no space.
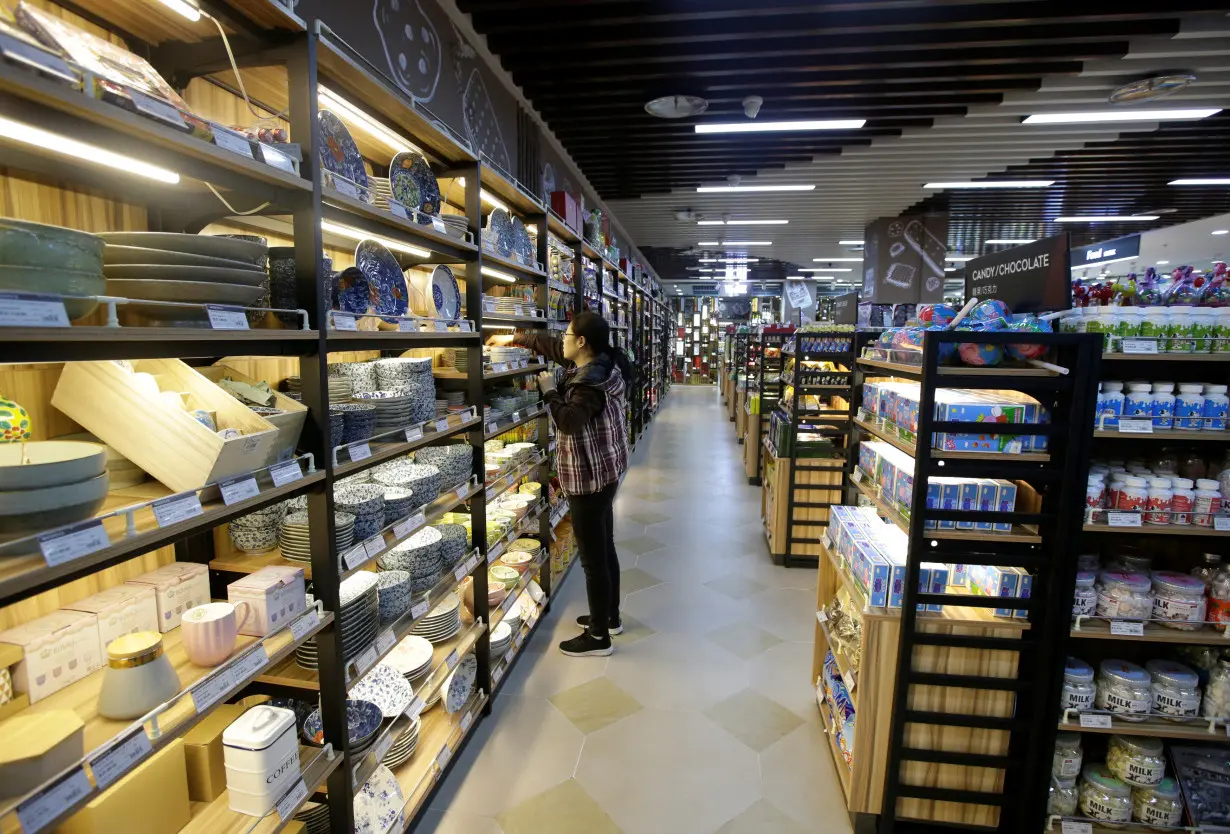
402,182
460,684
340,155
415,165
445,293
384,274
378,806
355,293
499,226
362,719
385,687
522,243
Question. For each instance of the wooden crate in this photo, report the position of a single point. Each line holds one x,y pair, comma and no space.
289,422
815,485
165,441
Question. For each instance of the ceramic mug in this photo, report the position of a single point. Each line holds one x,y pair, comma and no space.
209,631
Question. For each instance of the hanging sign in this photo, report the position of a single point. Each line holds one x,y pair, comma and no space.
845,308
1032,278
798,295
1119,249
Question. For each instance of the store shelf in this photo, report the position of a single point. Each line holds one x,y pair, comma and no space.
502,318
502,666
1166,357
514,593
1018,533
915,371
1159,530
349,211
505,423
511,191
891,438
848,673
353,340
1197,730
560,229
68,344
500,262
1215,436
1099,629
441,428
843,769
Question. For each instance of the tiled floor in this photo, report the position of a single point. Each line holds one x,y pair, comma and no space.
702,722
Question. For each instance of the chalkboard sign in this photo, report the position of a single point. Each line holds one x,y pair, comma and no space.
845,308
1030,279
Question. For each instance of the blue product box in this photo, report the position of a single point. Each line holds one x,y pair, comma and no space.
1005,504
939,585
871,398
1024,586
950,499
934,490
990,581
988,494
884,404
969,502
908,416
993,414
873,573
924,585
903,491
959,575
886,478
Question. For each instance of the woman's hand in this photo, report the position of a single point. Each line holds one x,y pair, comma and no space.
546,381
500,339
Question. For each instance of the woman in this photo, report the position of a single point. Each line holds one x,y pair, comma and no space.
589,408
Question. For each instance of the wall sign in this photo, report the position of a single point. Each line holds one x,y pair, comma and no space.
798,295
1119,249
1030,279
903,259
705,289
845,308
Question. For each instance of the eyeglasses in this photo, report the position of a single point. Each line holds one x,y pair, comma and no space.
568,333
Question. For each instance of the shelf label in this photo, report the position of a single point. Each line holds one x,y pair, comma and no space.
438,225
288,805
407,326
459,573
397,209
25,309
1140,346
1123,519
385,641
442,424
509,602
346,187
362,451
441,326
488,305
239,489
300,627
1127,628
452,660
73,542
24,53
466,721
374,545
444,757
498,674
1144,426
1092,721
508,655
286,473
472,563
249,665
516,416
277,159
414,708
491,427
1221,523
160,110
857,476
344,321
419,610
232,140
822,616
408,526
168,511
365,661
495,553
210,691
464,325
121,758
499,367
355,557
462,492
41,810
414,433
1075,827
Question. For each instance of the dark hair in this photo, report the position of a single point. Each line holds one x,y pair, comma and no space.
597,334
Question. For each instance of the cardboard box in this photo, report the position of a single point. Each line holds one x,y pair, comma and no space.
988,501
58,649
569,210
124,609
203,753
991,581
1006,503
969,502
177,587
152,799
1024,586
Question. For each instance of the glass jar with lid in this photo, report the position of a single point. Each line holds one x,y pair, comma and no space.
1158,806
1085,598
1207,569
1176,688
1068,755
1103,797
1124,689
1137,760
1078,687
1064,797
1178,600
1124,595
1217,691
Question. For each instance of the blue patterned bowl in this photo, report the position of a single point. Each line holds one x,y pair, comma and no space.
362,719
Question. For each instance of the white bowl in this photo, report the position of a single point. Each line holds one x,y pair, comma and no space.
48,463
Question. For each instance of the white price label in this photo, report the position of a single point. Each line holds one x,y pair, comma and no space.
822,616
472,563
464,325
414,433
20,309
210,691
1221,523
542,360
495,553
491,427
508,655
509,602
277,159
385,641
441,326
459,573
73,542
408,526
1013,447
398,209
516,415
288,805
1128,426
374,546
40,811
1123,519
466,721
1095,722
232,141
444,757
1075,827
414,708
355,557
499,367
438,225
519,639
302,626
488,305
407,326
1140,346
168,511
121,758
1126,628
419,610
286,473
239,489
452,660
344,321
498,675
856,476
346,187
365,661
442,424
249,665
158,109
362,451
462,492
383,746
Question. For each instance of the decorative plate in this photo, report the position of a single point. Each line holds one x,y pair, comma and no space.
385,275
385,687
411,655
522,243
177,272
212,246
340,155
429,189
378,807
402,181
499,226
197,292
445,293
460,684
355,293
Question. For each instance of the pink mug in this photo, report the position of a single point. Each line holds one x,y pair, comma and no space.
209,631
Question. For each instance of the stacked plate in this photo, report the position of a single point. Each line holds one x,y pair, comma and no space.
512,618
360,613
518,560
385,687
394,594
398,503
366,503
257,532
315,817
420,556
501,639
442,622
339,388
403,748
412,658
363,724
461,359
392,409
454,544
455,225
410,377
507,354
296,544
507,305
423,480
362,375
454,461
358,420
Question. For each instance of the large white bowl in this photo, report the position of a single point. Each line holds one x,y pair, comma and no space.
47,463
34,510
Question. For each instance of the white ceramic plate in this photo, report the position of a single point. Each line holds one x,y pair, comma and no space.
379,804
114,254
197,274
209,245
385,687
197,292
460,684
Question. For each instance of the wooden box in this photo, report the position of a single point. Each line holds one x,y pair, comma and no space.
152,799
818,480
163,439
289,423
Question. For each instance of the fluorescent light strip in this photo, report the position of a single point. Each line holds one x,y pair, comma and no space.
1220,232
824,277
359,234
734,189
736,243
1007,241
850,242
1161,263
950,269
330,100
186,9
499,326
486,196
729,260
1105,218
825,269
1204,181
1125,115
46,140
837,260
993,184
495,273
742,222
959,259
771,127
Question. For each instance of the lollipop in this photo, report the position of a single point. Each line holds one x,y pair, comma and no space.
992,312
1028,351
946,349
939,315
977,353
973,353
908,338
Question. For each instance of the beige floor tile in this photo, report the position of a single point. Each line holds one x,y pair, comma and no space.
635,579
676,772
680,609
790,613
595,704
684,565
543,670
564,809
654,497
634,630
638,545
763,817
752,718
676,672
648,517
797,776
736,586
456,822
783,674
744,639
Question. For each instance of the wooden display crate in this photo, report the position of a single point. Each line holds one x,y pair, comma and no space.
819,480
289,423
166,441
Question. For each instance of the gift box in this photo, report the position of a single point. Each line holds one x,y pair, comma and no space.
991,581
275,594
177,587
57,650
124,609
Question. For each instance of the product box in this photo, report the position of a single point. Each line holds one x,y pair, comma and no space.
275,594
177,587
1006,503
950,499
1024,586
903,492
969,502
872,571
151,799
934,496
938,584
958,575
871,400
58,649
203,753
569,210
988,497
37,746
124,609
10,702
991,581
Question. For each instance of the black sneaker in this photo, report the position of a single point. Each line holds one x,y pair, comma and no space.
586,645
616,626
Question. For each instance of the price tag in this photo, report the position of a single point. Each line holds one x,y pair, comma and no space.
508,655
398,209
509,602
238,489
210,691
464,325
385,641
40,811
491,427
441,326
277,159
495,553
383,746
232,141
1075,827
1221,523
542,360
516,415
155,108
408,526
302,626
438,225
365,661
288,805
355,557
444,757
466,721
21,309
488,305
345,321
374,546
460,573
249,665
472,563
1095,722
24,53
498,674
414,708
419,610
519,639
442,424
462,492
822,616
118,760
1127,628
857,476
452,660
1122,519
73,542
414,433
346,187
1140,346
499,367
407,326
168,511
1144,426
361,451
286,473
848,679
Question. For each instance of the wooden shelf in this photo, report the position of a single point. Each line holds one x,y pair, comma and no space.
1154,633
1159,530
511,193
66,344
915,371
382,451
502,318
496,260
1152,726
345,210
520,419
217,817
1018,533
1166,357
560,229
891,438
1216,436
844,666
839,762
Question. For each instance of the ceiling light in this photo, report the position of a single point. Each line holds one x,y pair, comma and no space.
824,277
186,9
991,184
742,222
825,269
1009,241
850,243
729,260
1105,218
359,234
837,260
499,326
330,100
767,127
495,273
959,259
676,107
1096,116
796,277
723,189
950,269
30,135
1204,181
1160,263
736,243
1220,232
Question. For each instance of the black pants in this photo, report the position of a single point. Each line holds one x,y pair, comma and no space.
593,523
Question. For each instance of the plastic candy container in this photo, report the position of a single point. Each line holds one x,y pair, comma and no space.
1158,806
947,349
1176,689
908,338
1103,797
1137,761
1124,689
1026,351
1078,688
1178,600
992,312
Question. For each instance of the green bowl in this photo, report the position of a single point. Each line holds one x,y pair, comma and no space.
63,281
49,247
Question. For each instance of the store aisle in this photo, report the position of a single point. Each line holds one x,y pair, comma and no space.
702,721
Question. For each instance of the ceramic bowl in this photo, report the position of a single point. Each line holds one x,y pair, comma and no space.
454,543
35,510
49,463
362,719
504,575
253,539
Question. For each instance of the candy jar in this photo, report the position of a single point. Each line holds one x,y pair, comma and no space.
1124,595
1085,598
1159,806
1103,797
1136,760
1123,689
1219,604
1176,689
1217,692
1078,688
1210,563
1068,755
